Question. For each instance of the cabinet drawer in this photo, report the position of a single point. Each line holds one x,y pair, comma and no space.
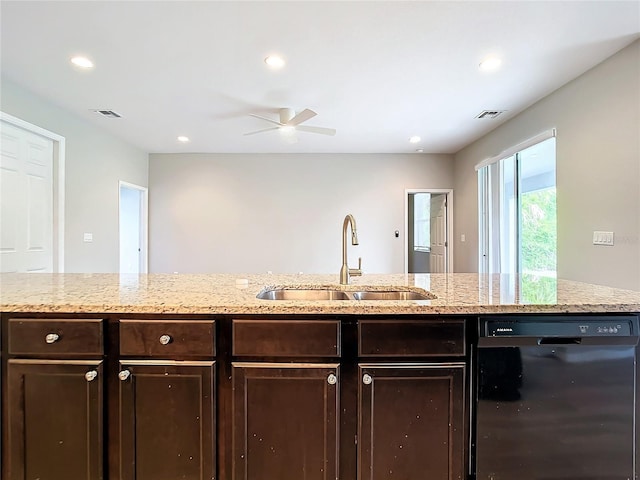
150,338
59,337
286,338
426,338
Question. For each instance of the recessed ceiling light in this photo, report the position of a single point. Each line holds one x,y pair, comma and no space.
82,62
274,61
414,139
183,139
490,64
420,150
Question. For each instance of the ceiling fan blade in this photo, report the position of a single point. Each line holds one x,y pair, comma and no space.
321,130
265,118
263,130
303,116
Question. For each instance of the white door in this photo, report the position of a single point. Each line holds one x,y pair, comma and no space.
133,228
26,201
438,222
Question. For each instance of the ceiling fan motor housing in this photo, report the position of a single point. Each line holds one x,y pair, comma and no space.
286,114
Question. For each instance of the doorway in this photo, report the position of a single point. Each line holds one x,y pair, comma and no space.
133,228
428,229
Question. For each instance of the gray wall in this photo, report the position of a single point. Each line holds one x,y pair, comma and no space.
95,162
597,117
282,213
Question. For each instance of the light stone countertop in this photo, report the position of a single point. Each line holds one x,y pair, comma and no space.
460,293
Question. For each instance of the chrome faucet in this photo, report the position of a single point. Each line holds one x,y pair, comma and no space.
345,271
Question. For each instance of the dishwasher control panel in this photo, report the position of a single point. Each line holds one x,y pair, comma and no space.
557,328
570,326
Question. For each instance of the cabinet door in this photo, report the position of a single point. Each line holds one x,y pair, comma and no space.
55,420
285,421
411,422
167,421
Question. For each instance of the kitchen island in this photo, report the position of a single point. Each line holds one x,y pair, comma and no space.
109,376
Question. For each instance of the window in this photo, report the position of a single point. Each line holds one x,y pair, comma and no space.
517,215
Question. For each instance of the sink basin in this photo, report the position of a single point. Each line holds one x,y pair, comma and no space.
310,294
303,294
391,295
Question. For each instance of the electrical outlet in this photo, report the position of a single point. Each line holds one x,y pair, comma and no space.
88,237
603,238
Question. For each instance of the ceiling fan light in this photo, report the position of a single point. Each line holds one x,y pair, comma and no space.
490,64
287,129
82,62
274,61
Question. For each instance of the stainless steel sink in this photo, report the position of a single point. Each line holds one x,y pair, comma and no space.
391,295
310,294
303,294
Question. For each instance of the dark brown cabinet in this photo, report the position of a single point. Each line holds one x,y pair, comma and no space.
285,422
401,420
55,422
54,415
167,400
411,422
411,415
153,397
285,401
167,420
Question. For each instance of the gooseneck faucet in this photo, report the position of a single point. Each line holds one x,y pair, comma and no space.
345,271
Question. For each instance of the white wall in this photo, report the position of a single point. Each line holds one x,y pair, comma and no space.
282,213
95,163
597,117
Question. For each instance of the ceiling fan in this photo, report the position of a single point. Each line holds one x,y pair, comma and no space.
290,123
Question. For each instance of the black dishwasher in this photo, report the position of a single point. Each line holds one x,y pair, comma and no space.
556,397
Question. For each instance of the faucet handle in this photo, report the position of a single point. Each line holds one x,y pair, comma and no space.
356,272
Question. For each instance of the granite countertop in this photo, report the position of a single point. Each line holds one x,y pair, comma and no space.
460,293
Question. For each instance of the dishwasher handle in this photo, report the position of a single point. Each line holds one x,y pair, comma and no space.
560,341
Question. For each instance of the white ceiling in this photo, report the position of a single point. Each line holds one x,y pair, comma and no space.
377,71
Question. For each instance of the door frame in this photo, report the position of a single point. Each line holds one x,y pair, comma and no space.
144,223
58,184
436,191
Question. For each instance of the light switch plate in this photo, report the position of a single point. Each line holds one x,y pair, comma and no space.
603,238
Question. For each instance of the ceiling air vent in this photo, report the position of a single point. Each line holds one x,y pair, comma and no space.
108,113
490,113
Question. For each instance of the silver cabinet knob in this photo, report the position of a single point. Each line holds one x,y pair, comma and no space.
52,338
90,375
366,379
332,379
165,339
124,374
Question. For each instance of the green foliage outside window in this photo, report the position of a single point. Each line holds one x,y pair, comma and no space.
539,241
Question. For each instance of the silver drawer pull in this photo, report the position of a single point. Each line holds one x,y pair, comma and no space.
366,379
90,375
332,379
52,338
124,374
165,339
